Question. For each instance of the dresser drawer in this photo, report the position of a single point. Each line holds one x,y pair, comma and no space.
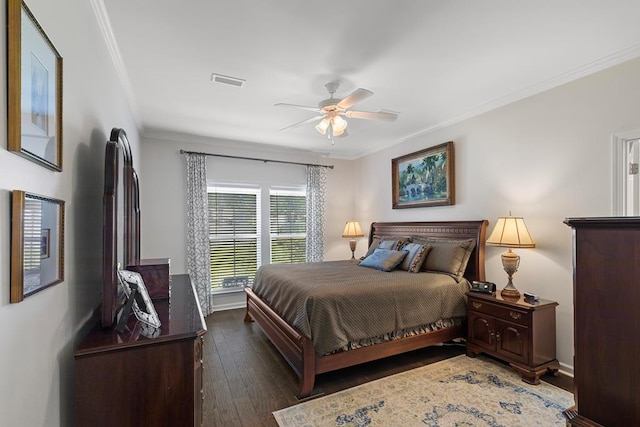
501,312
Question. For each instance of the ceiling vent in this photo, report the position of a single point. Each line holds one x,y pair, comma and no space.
228,80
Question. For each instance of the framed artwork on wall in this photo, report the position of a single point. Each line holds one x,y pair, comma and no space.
37,243
424,178
34,89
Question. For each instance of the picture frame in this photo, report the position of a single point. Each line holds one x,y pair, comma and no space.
34,68
138,296
424,178
37,229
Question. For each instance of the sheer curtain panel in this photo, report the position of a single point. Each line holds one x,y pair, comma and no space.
198,261
316,195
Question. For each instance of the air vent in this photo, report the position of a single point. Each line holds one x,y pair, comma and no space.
233,81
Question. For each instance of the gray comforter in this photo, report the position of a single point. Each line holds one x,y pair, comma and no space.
338,302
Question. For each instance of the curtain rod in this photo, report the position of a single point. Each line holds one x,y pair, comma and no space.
254,158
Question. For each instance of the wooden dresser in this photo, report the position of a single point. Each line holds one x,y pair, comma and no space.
606,286
128,379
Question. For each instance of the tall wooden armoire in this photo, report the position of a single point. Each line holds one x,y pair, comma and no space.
606,286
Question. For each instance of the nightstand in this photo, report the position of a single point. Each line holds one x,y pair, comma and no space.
520,333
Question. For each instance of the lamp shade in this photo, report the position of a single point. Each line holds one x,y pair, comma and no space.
352,229
322,126
339,124
511,232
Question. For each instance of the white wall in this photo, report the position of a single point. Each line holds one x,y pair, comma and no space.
39,334
545,158
163,195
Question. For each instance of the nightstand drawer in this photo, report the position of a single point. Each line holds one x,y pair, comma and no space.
501,312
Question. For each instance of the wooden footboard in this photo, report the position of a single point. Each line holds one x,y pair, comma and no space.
295,348
298,350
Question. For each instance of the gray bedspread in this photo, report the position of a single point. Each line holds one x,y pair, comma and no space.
338,302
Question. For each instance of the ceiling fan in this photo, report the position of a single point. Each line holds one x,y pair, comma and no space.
331,112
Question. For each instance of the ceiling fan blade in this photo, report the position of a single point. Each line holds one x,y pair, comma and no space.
303,107
355,97
309,120
389,117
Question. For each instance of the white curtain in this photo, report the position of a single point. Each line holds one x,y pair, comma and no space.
198,262
316,195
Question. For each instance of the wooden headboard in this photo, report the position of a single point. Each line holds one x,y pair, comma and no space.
441,229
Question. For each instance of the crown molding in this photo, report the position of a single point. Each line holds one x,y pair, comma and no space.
112,46
569,76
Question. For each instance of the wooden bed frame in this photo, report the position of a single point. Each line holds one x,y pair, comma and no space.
298,349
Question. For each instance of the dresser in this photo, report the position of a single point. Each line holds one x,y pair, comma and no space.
606,289
145,378
514,330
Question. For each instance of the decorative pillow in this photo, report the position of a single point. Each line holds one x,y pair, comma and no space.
374,244
416,256
384,259
386,243
449,256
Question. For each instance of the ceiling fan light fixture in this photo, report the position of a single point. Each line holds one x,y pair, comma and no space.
339,124
337,132
331,120
323,126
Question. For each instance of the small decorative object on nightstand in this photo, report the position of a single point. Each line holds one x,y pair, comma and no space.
510,232
518,332
352,230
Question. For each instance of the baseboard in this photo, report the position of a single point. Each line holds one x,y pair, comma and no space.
566,369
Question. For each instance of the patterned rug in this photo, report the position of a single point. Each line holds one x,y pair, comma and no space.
460,391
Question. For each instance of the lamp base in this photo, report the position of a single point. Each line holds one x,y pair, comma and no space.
510,263
352,246
510,293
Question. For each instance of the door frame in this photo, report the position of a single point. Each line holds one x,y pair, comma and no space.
620,144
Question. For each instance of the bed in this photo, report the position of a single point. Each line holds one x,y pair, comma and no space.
291,330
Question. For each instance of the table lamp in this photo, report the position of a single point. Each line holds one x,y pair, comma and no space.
510,232
351,231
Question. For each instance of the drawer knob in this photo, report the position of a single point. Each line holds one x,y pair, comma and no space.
515,315
477,304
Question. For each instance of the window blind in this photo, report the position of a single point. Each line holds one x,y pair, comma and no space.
287,226
234,231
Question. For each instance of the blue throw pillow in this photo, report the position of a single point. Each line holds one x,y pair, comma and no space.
384,259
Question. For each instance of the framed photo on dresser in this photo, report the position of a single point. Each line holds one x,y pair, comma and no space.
138,298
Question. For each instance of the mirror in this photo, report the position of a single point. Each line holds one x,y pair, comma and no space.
121,228
37,244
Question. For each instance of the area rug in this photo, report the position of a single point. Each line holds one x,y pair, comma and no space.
460,391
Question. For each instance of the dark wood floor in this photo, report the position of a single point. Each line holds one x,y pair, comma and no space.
246,379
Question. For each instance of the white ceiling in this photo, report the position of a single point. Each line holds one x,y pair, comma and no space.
434,62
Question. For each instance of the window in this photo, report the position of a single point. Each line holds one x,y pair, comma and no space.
238,243
287,226
234,235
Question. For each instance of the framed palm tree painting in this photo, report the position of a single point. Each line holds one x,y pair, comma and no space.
424,178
